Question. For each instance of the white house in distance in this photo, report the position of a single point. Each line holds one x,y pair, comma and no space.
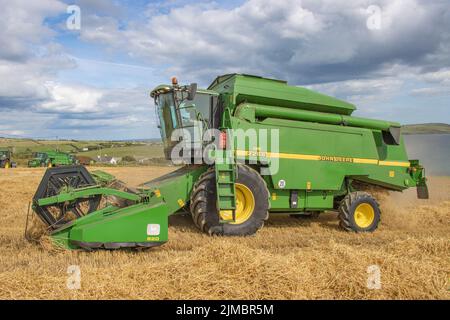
107,159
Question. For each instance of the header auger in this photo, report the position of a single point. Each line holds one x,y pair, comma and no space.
316,157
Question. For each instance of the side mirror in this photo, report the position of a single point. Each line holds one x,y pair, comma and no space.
192,91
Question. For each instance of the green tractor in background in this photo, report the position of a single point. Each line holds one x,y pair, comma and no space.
6,159
51,159
318,157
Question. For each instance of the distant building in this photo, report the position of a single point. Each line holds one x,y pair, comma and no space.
109,160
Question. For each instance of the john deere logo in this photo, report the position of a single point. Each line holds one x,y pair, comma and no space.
153,229
336,159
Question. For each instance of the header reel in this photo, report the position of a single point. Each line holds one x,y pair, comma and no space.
64,179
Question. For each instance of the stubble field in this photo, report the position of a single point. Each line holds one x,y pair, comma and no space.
288,259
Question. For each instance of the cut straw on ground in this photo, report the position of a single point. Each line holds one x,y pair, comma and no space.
288,259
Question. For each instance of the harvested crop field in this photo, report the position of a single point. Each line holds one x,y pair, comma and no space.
288,259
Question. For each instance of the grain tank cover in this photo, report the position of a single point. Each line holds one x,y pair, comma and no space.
259,90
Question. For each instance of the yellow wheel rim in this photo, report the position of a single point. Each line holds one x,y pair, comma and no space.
364,215
49,165
245,204
6,165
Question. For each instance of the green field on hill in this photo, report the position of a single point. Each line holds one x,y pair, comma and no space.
139,150
31,145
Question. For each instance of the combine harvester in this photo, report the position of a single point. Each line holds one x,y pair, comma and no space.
6,159
51,159
324,158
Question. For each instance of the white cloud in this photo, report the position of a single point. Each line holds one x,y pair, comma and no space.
26,80
434,83
324,44
21,25
12,132
441,76
102,29
71,99
229,38
8,130
302,41
116,122
430,91
32,98
28,55
362,90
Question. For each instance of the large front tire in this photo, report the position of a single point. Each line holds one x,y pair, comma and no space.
252,207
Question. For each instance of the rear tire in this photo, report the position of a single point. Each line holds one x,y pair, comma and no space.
359,212
203,204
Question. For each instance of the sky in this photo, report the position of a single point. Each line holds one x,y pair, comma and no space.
88,75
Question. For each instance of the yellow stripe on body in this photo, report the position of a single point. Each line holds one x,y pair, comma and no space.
291,156
394,163
298,156
365,161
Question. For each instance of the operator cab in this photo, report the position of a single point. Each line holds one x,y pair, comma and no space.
39,155
184,114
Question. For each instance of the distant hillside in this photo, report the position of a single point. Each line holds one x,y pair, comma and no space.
426,128
140,150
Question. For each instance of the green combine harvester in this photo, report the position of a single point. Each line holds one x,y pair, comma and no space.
51,159
317,157
6,159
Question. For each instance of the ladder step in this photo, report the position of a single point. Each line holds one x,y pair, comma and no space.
225,181
226,194
228,208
